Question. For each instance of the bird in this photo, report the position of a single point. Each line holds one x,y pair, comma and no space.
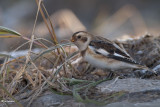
103,53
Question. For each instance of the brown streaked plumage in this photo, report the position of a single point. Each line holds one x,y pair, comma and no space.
103,53
107,46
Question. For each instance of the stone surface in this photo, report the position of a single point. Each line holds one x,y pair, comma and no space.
128,104
50,100
130,85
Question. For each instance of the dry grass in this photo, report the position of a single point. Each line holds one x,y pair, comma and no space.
26,77
26,73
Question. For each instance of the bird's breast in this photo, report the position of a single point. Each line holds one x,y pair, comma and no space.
95,59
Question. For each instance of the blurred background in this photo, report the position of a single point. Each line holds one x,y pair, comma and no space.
109,18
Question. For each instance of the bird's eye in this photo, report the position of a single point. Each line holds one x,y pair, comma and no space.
79,37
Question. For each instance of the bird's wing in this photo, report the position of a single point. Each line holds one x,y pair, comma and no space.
109,49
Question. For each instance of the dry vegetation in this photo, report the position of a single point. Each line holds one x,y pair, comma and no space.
26,77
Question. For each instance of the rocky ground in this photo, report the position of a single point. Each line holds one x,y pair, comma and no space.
136,93
126,88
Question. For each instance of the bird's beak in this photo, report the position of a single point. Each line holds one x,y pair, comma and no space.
72,40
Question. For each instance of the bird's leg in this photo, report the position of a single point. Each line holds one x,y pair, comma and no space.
89,68
110,75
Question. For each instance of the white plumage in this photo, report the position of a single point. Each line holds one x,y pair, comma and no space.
103,62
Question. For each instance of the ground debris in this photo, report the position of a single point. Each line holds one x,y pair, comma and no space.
80,79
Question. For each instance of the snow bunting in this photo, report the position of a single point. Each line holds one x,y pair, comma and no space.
103,53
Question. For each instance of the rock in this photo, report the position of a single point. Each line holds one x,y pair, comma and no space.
128,104
137,92
50,100
130,85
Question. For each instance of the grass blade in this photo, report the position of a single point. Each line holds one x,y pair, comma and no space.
51,49
4,30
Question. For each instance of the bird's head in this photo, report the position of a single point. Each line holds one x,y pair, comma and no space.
81,39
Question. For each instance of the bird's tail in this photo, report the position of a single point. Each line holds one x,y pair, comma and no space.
146,68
